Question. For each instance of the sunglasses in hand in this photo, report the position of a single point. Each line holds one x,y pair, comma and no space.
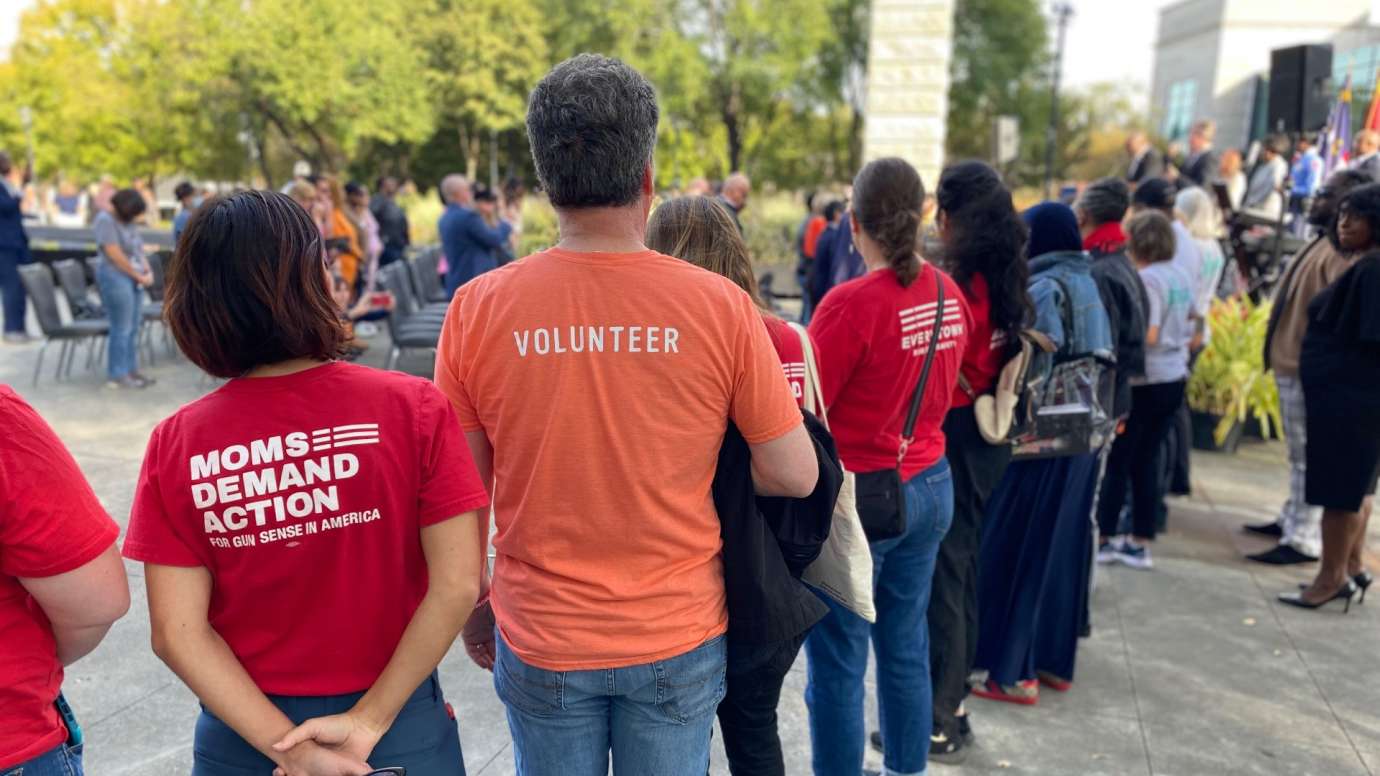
396,771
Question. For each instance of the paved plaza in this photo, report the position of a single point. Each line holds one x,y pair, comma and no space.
1191,669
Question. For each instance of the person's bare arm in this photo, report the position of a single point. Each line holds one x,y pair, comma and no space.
179,599
1152,336
83,603
478,634
452,560
117,256
785,466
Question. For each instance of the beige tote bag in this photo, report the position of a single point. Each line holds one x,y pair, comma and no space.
843,570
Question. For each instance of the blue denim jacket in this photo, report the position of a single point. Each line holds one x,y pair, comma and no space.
1053,276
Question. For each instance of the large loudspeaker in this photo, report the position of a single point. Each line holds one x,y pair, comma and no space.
1300,97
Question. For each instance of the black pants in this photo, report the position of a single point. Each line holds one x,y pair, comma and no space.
747,714
953,614
11,291
1138,455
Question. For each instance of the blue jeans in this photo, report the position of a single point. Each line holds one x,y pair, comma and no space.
120,297
62,761
11,291
902,570
656,718
424,738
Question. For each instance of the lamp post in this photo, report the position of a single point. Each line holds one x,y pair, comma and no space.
1062,11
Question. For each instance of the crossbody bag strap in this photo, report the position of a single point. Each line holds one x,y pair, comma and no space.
966,387
908,431
814,393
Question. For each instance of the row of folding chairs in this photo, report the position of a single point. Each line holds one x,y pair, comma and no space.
85,323
419,305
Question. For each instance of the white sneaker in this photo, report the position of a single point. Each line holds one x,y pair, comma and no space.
366,329
1109,551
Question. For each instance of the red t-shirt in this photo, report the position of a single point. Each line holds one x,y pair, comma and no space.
50,524
304,496
787,344
873,335
986,351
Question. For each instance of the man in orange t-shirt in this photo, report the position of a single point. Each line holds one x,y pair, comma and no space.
595,381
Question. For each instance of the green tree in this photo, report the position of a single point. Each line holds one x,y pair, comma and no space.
999,67
483,57
759,56
60,68
325,76
843,76
624,28
1093,127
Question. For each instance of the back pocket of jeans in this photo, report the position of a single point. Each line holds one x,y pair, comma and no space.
531,690
693,684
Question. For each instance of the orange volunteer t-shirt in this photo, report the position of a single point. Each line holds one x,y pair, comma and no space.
605,382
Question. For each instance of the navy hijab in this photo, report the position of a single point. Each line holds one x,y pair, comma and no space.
1053,228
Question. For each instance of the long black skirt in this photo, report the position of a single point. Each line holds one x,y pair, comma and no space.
1034,569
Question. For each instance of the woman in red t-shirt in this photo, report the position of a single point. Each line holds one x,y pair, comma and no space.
692,228
62,585
700,231
310,530
984,247
873,334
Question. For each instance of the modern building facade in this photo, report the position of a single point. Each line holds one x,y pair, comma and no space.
1212,57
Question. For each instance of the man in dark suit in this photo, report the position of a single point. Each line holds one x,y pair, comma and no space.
1366,153
1146,162
466,238
14,250
1200,168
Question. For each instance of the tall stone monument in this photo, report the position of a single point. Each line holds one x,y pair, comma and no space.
911,43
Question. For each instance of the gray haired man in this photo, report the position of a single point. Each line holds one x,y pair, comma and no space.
594,381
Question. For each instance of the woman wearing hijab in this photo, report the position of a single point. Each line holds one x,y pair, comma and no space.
1038,536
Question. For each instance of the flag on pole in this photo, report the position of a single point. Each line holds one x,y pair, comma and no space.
1373,115
1336,137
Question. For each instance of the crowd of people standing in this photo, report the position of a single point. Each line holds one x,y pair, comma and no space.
1287,185
652,572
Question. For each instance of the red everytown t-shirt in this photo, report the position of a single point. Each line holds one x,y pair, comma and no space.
872,336
986,352
787,344
304,496
50,523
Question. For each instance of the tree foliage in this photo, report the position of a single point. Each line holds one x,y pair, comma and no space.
999,67
240,89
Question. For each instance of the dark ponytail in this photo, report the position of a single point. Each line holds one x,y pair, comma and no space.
888,199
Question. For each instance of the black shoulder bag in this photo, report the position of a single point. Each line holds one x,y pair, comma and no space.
881,500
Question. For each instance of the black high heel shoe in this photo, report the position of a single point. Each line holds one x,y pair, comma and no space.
1362,580
1347,593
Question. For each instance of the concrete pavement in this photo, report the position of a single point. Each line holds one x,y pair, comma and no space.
1191,669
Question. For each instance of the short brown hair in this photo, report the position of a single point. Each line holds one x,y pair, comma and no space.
247,286
1150,237
699,230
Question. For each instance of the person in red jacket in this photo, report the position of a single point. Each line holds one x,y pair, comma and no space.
62,585
873,334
